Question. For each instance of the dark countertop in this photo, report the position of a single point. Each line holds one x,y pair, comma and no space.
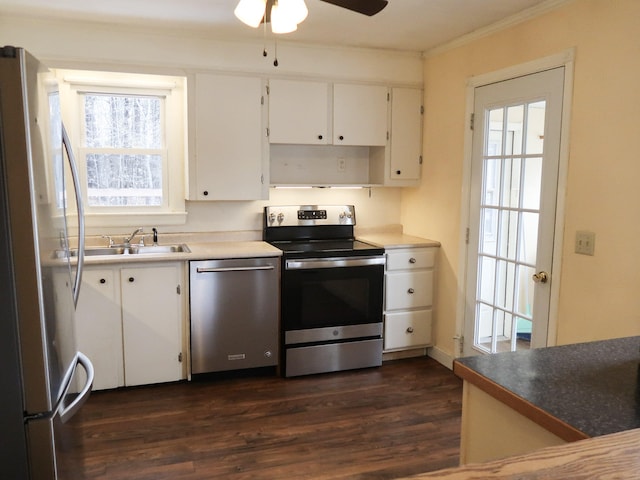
591,388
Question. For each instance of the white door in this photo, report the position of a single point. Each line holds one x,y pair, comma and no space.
514,175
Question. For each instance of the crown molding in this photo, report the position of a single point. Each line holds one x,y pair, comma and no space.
520,17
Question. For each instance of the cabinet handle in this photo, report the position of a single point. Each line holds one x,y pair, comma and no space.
341,137
102,280
131,279
398,172
409,329
205,193
412,260
411,290
319,137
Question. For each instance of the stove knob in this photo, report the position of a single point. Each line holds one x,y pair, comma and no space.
342,214
272,217
280,217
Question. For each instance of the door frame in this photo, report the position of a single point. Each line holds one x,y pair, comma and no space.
562,59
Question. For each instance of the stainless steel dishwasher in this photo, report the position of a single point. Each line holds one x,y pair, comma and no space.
234,307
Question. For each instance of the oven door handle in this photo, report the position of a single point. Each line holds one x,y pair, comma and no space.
333,262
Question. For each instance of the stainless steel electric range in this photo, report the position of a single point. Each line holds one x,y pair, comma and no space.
331,291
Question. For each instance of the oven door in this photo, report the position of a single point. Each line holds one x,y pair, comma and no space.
329,292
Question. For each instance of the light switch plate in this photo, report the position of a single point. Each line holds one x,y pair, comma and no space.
585,243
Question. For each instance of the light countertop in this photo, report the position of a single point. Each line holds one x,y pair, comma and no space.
610,456
391,240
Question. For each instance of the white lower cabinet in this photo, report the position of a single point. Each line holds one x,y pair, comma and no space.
408,298
129,323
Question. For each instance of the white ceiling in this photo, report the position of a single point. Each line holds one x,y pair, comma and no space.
414,25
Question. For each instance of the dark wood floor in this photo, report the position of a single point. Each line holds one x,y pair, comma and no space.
397,420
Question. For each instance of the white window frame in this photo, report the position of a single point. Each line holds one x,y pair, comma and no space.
74,84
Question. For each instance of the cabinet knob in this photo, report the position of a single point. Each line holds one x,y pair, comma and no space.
409,329
341,137
205,193
398,172
102,280
131,279
410,291
412,260
320,137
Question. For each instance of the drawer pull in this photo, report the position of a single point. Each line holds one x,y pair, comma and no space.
409,329
412,260
103,281
410,291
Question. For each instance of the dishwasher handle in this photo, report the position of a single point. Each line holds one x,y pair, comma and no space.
233,269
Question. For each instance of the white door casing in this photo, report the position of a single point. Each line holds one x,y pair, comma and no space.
524,84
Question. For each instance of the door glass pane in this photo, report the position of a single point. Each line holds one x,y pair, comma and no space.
515,121
509,216
492,172
531,183
535,128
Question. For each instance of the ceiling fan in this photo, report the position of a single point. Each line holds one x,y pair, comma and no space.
285,15
366,7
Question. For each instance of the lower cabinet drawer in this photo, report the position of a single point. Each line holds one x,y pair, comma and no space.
409,290
407,329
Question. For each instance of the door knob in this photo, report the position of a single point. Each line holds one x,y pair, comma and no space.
541,277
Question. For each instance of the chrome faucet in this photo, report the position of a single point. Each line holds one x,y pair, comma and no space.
155,235
127,241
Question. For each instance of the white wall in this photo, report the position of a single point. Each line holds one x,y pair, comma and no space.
100,46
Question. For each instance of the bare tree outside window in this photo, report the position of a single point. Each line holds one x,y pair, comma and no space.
124,143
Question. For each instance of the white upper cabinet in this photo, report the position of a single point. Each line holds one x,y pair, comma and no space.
229,148
360,115
405,155
299,112
321,113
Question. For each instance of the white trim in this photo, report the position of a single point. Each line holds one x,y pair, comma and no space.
562,59
441,357
520,17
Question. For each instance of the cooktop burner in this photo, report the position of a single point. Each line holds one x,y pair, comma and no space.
327,247
315,230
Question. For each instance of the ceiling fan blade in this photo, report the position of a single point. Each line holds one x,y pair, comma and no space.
366,7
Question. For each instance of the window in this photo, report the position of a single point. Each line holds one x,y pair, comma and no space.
129,138
124,149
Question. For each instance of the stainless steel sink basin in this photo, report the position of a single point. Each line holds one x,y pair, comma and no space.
91,251
132,250
140,250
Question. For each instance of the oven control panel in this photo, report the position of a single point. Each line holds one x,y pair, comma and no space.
312,214
303,215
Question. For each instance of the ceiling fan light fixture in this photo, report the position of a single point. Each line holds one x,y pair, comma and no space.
250,12
295,10
281,19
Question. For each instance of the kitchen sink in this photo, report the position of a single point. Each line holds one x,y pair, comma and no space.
132,250
140,250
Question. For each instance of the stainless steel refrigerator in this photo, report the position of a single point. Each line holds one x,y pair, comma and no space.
40,385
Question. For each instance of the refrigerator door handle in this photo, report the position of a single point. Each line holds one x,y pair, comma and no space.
78,194
68,411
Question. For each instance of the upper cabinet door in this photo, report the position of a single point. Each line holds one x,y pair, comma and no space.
299,112
230,139
360,115
406,134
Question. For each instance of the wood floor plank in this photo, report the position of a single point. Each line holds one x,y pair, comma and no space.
382,423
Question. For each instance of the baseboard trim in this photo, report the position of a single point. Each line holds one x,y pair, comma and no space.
441,356
398,355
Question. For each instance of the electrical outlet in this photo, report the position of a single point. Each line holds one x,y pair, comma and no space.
342,164
585,243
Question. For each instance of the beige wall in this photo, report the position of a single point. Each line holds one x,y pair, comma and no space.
599,295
